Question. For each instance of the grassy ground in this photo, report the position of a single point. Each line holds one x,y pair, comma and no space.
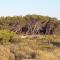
31,47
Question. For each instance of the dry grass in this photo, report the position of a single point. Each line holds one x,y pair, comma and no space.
37,47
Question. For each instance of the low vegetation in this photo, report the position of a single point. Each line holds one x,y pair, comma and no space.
31,37
31,24
26,47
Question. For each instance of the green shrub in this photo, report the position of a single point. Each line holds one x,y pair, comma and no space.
6,35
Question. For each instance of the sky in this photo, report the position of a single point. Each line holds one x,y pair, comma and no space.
24,7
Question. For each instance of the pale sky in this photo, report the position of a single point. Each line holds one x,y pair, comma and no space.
24,7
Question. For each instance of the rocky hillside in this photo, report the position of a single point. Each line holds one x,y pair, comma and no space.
31,24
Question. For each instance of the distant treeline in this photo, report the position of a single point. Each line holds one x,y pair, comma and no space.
31,24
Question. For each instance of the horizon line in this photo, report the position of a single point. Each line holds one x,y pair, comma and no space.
29,14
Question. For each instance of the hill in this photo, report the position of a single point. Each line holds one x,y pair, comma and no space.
30,37
31,24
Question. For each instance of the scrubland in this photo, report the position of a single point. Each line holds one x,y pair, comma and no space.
29,47
30,37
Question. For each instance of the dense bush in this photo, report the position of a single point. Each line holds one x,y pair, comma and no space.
31,24
6,35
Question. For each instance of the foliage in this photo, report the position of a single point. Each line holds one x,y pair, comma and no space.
33,24
6,35
16,45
